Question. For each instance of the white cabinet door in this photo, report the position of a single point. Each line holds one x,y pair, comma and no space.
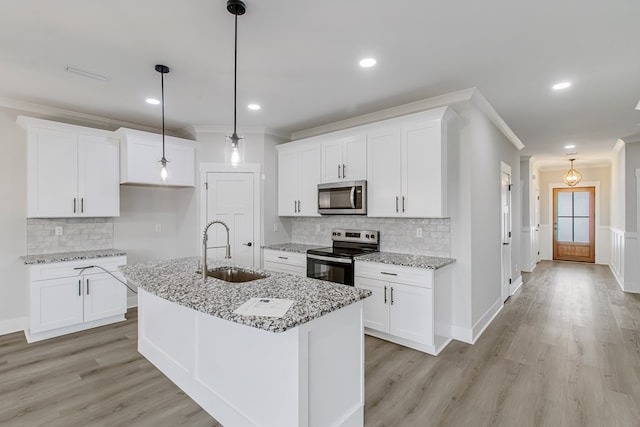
376,307
411,313
422,169
384,161
354,157
104,297
99,177
309,178
52,174
288,182
56,303
332,160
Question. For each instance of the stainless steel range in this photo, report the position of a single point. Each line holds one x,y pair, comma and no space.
336,263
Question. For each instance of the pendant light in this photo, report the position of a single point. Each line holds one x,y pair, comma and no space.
163,69
572,177
235,7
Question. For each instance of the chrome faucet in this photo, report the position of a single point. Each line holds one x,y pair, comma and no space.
204,247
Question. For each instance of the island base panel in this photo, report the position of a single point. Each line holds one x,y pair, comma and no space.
311,375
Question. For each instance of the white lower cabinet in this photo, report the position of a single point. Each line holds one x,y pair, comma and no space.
408,306
63,299
285,262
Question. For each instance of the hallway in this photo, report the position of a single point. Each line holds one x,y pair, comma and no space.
564,351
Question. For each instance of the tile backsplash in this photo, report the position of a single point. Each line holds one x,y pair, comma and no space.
78,234
396,234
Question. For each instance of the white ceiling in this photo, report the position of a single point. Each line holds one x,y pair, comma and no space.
299,60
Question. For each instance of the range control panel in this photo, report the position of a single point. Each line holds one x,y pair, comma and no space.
359,236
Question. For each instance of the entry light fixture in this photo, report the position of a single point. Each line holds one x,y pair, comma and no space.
367,62
572,177
570,146
253,107
235,7
163,69
152,101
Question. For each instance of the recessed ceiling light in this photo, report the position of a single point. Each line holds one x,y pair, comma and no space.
560,86
367,62
253,107
152,101
569,146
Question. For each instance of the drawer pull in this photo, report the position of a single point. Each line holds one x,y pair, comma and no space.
388,274
283,257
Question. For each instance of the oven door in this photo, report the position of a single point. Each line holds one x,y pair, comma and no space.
332,269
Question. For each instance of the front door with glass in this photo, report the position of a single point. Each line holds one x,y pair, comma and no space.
573,224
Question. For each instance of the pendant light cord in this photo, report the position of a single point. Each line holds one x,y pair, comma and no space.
235,77
162,86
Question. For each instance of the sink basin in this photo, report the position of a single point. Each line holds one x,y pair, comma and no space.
234,275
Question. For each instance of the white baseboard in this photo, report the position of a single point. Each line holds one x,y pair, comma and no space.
529,268
132,301
486,319
516,285
617,277
16,324
471,335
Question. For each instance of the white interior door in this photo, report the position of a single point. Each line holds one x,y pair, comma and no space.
505,208
230,198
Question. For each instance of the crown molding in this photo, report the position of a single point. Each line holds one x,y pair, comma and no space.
389,113
472,95
200,129
483,105
54,113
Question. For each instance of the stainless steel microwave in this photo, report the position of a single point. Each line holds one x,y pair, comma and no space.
343,198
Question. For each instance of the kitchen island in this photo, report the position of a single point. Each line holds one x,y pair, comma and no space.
303,369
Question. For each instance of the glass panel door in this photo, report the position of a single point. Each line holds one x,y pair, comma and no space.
573,237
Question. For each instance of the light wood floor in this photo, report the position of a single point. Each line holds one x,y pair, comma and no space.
564,351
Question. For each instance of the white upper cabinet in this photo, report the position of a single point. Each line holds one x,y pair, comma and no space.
298,179
407,165
344,157
71,170
140,154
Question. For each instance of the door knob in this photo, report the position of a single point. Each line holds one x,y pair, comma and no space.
248,244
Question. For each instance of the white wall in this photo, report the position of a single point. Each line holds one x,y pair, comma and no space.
476,223
13,186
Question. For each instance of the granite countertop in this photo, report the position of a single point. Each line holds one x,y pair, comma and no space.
177,281
407,260
300,248
71,256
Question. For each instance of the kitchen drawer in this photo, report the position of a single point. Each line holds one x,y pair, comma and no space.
283,257
55,270
286,268
395,273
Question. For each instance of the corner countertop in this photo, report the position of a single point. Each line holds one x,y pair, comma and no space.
299,248
407,260
71,256
177,281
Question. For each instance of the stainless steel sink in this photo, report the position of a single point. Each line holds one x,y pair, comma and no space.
234,275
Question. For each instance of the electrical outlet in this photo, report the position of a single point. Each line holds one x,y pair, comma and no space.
275,226
158,228
317,228
418,232
58,231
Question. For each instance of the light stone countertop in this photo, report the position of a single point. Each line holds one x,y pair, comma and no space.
300,248
177,281
71,256
407,260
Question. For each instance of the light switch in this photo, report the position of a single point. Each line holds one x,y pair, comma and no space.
158,228
59,231
418,232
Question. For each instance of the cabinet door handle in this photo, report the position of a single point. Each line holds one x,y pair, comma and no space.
87,286
339,171
388,274
396,204
295,206
79,288
82,205
344,170
402,203
74,205
298,206
385,294
392,295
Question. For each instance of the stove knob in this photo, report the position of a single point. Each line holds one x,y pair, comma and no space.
367,236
